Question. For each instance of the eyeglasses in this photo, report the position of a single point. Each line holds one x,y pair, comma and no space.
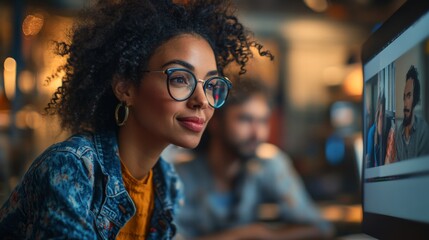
181,84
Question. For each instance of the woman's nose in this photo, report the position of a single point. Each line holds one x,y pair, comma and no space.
198,99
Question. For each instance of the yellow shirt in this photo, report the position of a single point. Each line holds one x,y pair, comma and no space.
141,192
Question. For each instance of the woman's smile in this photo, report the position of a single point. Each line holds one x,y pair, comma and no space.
194,124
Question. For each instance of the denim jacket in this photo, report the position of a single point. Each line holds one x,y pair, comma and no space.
74,190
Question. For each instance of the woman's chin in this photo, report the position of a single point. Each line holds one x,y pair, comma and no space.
189,146
188,143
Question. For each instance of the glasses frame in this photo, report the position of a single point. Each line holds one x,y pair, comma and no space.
170,71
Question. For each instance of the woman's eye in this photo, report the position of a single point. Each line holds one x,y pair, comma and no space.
179,81
210,86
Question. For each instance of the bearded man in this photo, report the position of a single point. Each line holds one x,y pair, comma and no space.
412,137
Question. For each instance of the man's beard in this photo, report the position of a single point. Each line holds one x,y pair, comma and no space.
407,120
245,149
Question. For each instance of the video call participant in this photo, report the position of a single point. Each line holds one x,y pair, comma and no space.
377,136
412,136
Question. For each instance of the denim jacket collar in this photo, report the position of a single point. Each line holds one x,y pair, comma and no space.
118,205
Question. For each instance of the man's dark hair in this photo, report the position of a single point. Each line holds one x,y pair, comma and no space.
114,39
244,89
414,75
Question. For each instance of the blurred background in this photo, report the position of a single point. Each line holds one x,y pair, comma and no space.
316,72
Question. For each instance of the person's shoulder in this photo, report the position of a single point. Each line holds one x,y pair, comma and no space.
77,144
422,130
185,160
271,159
422,123
173,168
192,168
77,151
271,153
371,129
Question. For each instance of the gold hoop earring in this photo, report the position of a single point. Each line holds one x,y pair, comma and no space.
126,111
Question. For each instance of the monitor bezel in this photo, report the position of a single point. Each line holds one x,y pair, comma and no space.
377,225
397,23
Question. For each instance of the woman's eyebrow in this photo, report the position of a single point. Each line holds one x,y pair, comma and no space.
212,73
188,66
179,62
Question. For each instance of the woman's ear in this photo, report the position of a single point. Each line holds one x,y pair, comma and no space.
123,90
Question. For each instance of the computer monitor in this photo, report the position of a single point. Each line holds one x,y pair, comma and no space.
395,173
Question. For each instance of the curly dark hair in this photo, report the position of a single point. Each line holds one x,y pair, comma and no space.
117,38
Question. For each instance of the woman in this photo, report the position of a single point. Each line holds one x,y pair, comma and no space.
131,87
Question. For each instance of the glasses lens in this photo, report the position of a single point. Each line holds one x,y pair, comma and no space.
181,84
216,90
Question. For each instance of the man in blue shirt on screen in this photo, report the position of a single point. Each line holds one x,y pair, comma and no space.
412,137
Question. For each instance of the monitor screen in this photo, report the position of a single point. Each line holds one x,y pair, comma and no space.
395,180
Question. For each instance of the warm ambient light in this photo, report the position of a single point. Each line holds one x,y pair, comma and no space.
353,83
28,118
333,76
266,151
9,77
342,213
317,5
32,24
26,81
